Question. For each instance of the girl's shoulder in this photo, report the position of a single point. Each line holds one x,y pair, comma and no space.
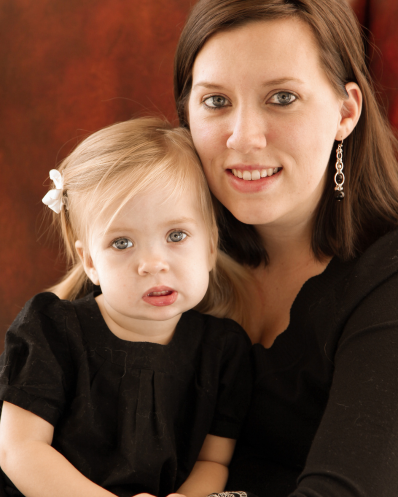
46,318
45,303
215,330
41,356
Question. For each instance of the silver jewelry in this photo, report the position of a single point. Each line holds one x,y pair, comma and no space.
339,176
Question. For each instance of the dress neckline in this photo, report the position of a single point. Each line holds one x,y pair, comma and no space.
290,345
101,339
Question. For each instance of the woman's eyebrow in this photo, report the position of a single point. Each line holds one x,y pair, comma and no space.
272,82
282,81
206,84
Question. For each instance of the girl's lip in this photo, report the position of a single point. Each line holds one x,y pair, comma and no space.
159,296
251,186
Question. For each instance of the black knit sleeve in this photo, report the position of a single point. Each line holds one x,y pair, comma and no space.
235,383
35,365
355,450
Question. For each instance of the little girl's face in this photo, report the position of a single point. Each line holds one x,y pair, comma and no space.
154,260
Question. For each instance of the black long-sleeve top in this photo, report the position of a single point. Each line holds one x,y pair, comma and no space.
324,417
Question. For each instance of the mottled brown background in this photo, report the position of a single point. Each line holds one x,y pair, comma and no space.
72,66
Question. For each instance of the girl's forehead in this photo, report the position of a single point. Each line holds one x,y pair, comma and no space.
157,205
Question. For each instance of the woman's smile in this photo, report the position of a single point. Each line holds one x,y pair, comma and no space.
250,179
249,174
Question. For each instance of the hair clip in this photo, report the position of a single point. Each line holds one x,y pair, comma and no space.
53,198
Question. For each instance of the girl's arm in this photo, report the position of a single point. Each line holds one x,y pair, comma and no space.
36,468
210,473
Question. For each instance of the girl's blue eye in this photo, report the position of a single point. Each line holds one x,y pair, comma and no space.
283,98
176,236
215,102
122,243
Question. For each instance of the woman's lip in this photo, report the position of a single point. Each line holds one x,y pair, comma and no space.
167,296
252,186
244,167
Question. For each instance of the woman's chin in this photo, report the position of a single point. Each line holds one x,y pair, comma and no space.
254,215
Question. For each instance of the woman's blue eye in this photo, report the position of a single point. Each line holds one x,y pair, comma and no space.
122,243
176,236
283,98
215,101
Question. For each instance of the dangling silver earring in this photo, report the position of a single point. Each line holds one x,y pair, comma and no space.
339,176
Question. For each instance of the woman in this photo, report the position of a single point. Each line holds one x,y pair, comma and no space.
283,116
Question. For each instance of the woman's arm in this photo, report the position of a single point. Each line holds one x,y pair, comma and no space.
210,473
355,450
36,468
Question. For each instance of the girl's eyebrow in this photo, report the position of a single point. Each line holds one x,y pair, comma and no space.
175,222
181,220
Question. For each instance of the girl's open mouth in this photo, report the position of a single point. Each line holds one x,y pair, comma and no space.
160,296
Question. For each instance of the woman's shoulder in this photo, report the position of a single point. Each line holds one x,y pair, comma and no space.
376,265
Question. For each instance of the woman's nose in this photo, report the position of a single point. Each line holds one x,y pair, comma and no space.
152,265
248,133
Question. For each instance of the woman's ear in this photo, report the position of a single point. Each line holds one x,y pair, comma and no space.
351,109
87,262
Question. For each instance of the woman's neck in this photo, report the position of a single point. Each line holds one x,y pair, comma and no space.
291,264
287,244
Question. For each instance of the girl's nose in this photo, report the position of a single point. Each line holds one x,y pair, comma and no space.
248,133
152,266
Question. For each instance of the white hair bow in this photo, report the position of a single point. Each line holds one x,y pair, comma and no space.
53,198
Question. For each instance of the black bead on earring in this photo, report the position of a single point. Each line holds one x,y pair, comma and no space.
339,176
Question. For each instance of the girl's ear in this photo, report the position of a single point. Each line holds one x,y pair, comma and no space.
350,111
87,262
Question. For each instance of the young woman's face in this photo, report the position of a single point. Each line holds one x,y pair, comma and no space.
264,118
153,262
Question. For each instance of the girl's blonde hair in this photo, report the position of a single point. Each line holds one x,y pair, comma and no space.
113,165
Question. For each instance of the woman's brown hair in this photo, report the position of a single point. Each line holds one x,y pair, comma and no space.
370,207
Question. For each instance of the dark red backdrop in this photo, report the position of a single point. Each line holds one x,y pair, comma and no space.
67,67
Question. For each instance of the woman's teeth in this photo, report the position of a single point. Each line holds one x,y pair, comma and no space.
256,174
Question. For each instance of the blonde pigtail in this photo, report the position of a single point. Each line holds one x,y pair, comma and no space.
74,283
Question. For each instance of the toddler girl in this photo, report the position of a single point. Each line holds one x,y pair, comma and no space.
125,390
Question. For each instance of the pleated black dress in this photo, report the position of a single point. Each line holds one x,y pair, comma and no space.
130,416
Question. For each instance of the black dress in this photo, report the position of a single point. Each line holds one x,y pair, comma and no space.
130,416
324,417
